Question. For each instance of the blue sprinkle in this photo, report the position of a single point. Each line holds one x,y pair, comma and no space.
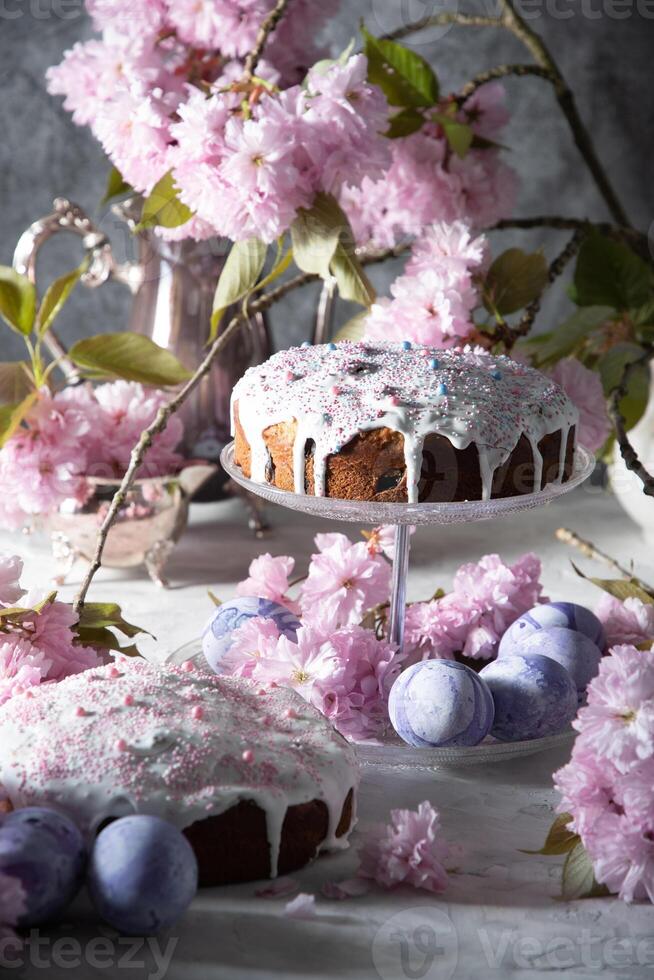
442,389
434,363
406,345
306,343
326,417
497,375
331,346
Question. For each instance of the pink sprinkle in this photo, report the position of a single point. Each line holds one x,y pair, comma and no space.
262,691
289,376
248,756
336,390
80,712
29,694
290,713
120,745
188,667
273,684
114,672
129,700
394,400
198,713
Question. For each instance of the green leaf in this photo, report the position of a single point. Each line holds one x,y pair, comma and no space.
103,639
643,316
354,329
163,206
404,77
18,613
458,135
404,123
15,382
483,143
214,598
611,367
11,416
610,274
103,615
129,356
55,298
17,300
239,277
315,234
619,588
116,186
547,348
560,839
353,283
578,876
514,279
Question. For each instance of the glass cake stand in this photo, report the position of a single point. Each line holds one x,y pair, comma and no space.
393,752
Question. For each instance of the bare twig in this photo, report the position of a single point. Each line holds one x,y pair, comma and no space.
589,550
629,454
534,43
266,29
630,236
511,21
501,71
442,20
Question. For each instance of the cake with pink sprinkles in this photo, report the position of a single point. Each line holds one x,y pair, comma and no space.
256,778
401,422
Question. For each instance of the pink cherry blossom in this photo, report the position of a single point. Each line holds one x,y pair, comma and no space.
353,693
618,720
409,850
268,579
381,540
629,622
51,632
426,182
300,663
11,569
21,666
584,388
433,301
344,581
250,643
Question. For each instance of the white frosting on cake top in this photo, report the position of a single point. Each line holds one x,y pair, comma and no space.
136,738
335,391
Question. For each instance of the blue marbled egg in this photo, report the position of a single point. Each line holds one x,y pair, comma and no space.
216,639
46,852
440,703
566,615
534,696
574,651
143,875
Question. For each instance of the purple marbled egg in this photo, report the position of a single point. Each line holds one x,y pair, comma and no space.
45,851
551,615
533,695
216,639
574,651
143,875
440,703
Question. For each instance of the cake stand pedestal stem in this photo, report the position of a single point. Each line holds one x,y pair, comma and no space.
398,590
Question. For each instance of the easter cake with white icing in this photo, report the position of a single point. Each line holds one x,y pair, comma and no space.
256,778
401,422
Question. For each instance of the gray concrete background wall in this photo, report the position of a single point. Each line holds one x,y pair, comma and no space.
605,48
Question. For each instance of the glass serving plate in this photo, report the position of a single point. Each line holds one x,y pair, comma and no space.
391,752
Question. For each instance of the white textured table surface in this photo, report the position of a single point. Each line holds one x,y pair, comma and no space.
500,916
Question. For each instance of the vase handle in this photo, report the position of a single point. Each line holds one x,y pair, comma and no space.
70,217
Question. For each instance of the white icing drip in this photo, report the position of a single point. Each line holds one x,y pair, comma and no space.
538,463
335,393
174,764
563,451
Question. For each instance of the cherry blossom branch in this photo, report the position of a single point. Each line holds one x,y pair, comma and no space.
266,29
443,20
511,21
629,454
589,550
501,71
